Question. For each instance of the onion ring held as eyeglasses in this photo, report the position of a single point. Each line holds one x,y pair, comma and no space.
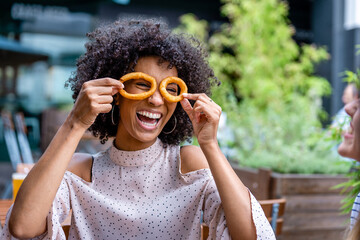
162,87
167,95
138,75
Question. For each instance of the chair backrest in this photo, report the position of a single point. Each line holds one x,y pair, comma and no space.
22,138
10,139
274,210
204,232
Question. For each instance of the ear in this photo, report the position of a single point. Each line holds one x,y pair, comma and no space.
117,99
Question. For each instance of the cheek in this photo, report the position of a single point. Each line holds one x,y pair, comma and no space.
356,124
172,108
125,109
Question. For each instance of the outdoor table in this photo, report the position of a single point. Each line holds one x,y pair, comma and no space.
4,207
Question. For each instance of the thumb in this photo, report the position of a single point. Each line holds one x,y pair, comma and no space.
187,108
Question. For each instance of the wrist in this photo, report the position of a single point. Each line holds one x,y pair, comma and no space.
210,146
74,124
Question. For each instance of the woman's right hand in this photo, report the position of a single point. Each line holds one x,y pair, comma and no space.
95,97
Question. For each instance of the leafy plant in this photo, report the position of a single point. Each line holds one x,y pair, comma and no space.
353,77
269,90
350,188
271,95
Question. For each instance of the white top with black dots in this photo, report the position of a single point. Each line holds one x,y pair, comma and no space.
142,195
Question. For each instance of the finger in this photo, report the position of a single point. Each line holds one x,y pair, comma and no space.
195,96
198,116
94,88
211,113
105,82
104,108
200,111
100,90
187,108
104,99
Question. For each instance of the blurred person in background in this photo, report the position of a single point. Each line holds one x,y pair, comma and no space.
350,148
145,186
350,94
340,123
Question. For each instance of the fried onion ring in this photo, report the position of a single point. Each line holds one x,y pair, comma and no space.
167,95
138,75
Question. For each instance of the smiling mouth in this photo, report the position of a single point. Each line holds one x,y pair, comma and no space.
350,129
148,119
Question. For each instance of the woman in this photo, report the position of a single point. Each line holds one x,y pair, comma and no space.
350,147
144,186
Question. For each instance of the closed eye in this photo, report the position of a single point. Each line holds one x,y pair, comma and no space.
143,84
172,89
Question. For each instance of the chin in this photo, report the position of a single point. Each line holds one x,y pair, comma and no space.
348,152
147,137
344,150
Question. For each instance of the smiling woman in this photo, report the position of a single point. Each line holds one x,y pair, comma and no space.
350,147
145,186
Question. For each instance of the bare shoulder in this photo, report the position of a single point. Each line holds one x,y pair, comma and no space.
192,159
80,165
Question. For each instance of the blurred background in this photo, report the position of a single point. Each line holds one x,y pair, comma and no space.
44,39
284,73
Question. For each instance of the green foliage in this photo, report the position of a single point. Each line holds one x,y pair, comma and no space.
269,91
353,77
350,189
191,25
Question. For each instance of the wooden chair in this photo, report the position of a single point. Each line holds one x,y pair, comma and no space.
17,144
274,210
21,132
204,234
66,224
10,139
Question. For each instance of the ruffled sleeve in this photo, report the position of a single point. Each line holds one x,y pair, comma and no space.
214,216
59,210
355,211
263,227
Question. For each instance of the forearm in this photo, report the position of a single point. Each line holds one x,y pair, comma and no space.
234,195
40,186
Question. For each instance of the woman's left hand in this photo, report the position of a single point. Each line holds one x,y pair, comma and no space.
204,115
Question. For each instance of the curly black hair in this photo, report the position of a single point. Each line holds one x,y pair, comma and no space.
114,49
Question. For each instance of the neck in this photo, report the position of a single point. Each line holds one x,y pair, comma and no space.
122,143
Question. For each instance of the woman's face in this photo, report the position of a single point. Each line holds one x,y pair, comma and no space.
141,121
350,147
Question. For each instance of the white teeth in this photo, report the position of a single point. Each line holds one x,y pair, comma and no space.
149,124
150,115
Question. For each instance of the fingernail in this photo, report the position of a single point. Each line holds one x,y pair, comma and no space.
185,94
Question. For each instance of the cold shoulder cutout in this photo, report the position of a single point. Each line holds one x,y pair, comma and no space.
81,165
192,159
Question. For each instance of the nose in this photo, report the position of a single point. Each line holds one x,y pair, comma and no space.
156,99
350,108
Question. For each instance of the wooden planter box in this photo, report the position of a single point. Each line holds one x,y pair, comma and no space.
312,210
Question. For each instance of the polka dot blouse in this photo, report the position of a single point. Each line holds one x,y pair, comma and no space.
142,195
